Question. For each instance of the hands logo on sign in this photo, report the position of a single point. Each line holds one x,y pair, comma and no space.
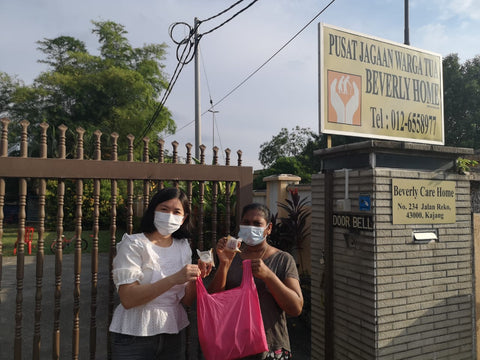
344,98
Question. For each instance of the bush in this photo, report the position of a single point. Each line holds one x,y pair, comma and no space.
69,205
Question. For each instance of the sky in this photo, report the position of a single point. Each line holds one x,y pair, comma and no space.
257,73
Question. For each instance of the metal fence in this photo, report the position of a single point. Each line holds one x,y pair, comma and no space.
122,173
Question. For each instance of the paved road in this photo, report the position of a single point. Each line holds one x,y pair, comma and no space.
8,294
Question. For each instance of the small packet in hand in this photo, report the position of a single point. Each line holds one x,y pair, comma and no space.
233,244
206,256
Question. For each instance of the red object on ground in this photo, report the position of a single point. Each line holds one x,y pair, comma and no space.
28,239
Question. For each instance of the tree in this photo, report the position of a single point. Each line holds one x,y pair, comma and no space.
461,87
283,165
114,91
293,153
8,87
285,144
289,153
59,51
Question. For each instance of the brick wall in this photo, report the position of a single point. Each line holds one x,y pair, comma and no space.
394,299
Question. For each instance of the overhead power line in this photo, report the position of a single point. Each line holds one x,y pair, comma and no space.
185,53
226,21
262,65
270,58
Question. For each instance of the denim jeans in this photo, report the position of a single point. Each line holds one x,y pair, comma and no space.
156,347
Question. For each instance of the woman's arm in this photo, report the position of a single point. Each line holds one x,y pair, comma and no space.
225,259
219,279
190,293
136,294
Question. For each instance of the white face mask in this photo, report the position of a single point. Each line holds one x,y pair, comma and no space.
251,235
167,223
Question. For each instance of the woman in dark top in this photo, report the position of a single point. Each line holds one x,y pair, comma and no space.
276,278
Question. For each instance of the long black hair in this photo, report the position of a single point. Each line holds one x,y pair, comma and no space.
147,225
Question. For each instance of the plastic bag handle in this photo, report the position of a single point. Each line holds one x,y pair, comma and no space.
247,276
200,284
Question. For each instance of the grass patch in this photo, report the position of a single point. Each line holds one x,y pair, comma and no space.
10,234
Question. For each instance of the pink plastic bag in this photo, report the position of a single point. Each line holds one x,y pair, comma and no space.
230,324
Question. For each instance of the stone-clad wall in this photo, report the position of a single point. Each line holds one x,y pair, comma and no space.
424,291
317,264
394,299
354,299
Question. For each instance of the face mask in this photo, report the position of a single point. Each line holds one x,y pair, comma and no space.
251,235
167,223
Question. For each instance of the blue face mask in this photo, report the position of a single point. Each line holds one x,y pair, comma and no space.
251,235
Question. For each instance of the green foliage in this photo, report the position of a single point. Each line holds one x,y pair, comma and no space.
69,207
8,87
10,236
295,221
221,209
285,144
289,153
283,165
290,232
463,166
293,153
59,52
461,88
116,91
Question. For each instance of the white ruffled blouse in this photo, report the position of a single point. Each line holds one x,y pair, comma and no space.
138,259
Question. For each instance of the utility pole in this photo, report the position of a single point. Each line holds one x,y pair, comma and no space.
198,128
406,40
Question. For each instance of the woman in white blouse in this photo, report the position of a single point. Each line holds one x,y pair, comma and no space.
154,276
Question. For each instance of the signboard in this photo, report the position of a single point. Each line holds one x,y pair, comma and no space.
364,203
423,201
353,221
379,89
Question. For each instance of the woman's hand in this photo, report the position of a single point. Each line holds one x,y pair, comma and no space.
190,272
260,270
189,275
224,255
205,268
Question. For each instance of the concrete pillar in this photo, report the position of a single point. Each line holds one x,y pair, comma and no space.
392,272
277,190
